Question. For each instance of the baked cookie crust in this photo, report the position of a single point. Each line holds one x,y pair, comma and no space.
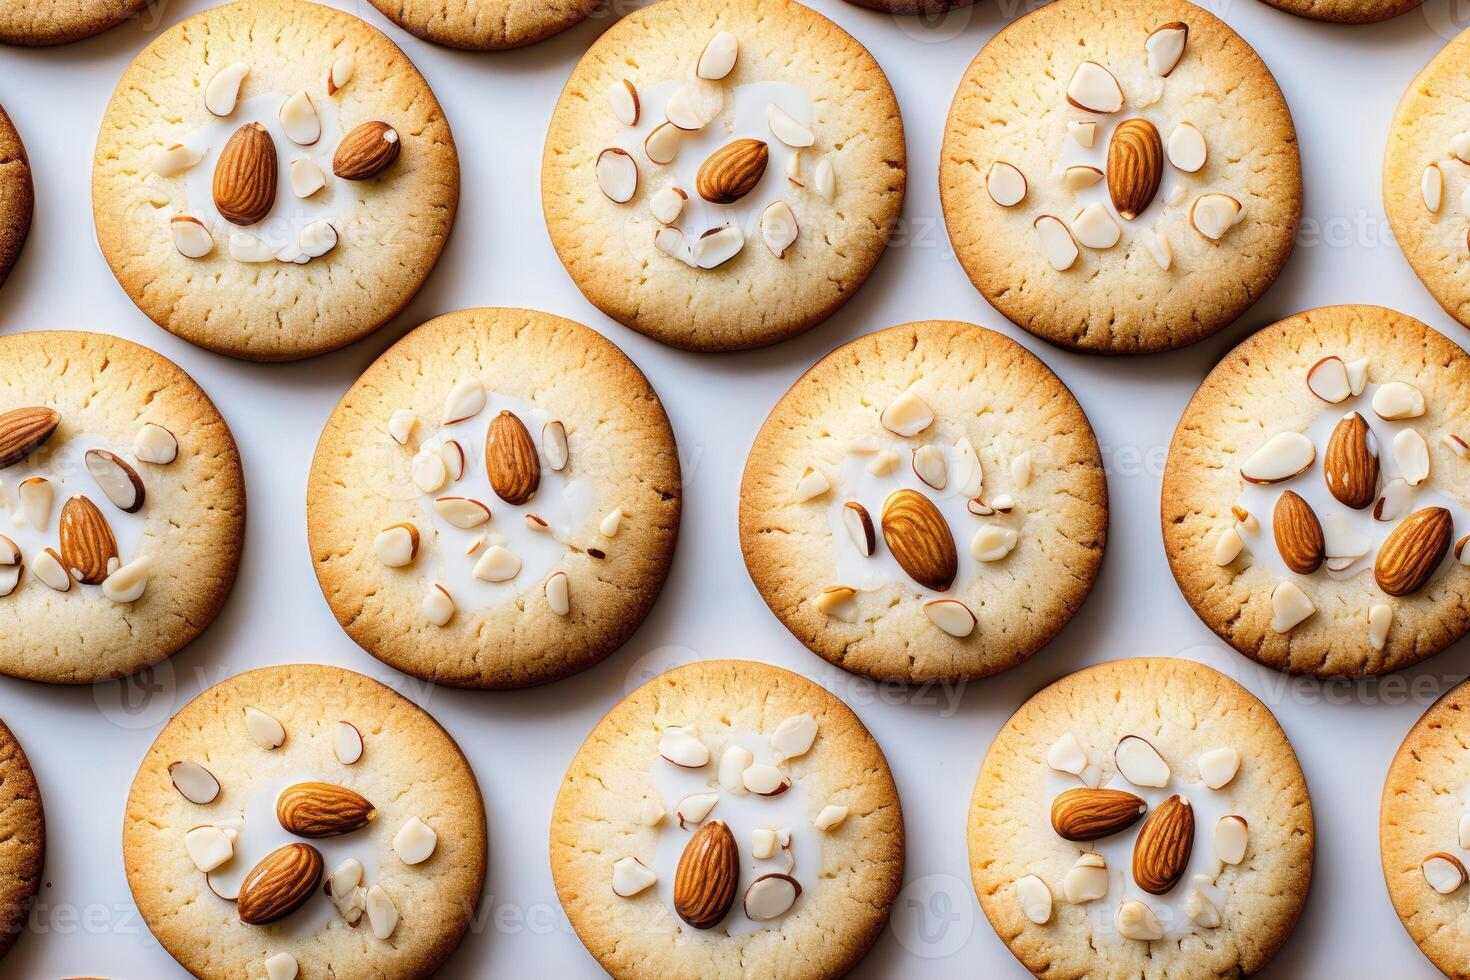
268,286
849,873
842,198
1116,285
17,195
1347,11
621,456
485,25
36,23
1184,710
1260,390
22,839
1037,457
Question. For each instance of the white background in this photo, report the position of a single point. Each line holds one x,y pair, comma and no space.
1342,84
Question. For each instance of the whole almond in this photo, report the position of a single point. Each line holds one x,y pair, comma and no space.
245,176
322,810
279,884
1161,852
1135,166
87,544
732,171
704,881
1413,550
510,459
1090,814
22,430
366,151
919,539
1350,466
1298,534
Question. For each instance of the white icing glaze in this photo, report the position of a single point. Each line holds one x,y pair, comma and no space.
563,499
792,810
282,226
61,462
1311,487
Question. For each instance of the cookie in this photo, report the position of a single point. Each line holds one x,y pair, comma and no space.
1425,180
17,195
1346,11
1424,833
122,507
22,839
310,813
912,6
1120,176
43,22
485,25
926,503
728,818
494,503
1312,506
273,179
722,176
1139,818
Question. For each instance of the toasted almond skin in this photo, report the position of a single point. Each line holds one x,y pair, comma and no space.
364,153
1350,469
1085,814
279,884
22,430
140,493
1135,166
322,810
1161,852
510,459
87,544
245,177
1298,534
920,540
1413,550
732,171
704,882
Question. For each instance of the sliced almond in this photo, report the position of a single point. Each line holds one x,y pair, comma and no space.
859,526
1035,899
1080,177
1087,881
263,729
11,566
930,466
667,204
631,876
786,129
717,246
1165,46
1398,400
1212,215
824,181
428,472
1140,763
1392,501
116,479
1431,187
883,463
382,914
693,105
1094,227
1328,380
46,565
794,736
683,749
462,512
194,782
453,455
733,763
191,238
317,238
346,743
497,564
622,97
208,847
1357,372
770,896
1005,184
952,616
650,813
610,523
992,543
1085,133
907,415
1198,906
558,593
694,808
1380,617
1067,755
1443,872
554,445
1023,468
1228,546
1187,151
1218,767
763,779
466,400
299,120
617,175
397,546
969,476
1412,456
1230,839
1094,89
1455,444
415,842
340,73
245,247
1135,920
1057,244
661,146
1284,456
438,605
223,90
838,602
778,228
34,494
173,160
719,56
1290,606
813,484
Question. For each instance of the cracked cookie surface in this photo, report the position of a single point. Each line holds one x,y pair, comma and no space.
486,25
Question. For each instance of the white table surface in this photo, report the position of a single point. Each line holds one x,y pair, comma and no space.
86,742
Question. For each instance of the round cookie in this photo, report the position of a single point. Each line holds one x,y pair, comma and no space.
1083,112
285,213
44,22
22,839
1228,822
122,507
801,149
276,764
1422,816
520,572
1346,11
1421,167
485,25
1331,567
17,195
960,573
912,6
821,821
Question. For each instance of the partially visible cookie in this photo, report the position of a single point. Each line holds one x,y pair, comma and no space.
17,195
723,175
728,818
1347,11
1314,496
1424,832
43,22
494,503
1426,180
310,815
273,179
122,507
22,839
926,503
912,6
1120,176
485,25
1140,818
